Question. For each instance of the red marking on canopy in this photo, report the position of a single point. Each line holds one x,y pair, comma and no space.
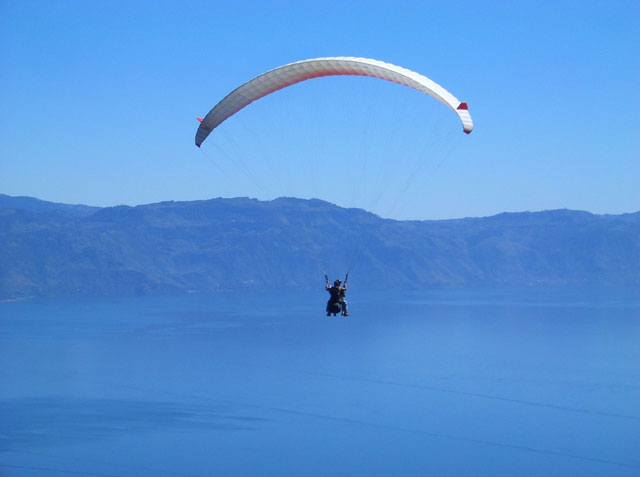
463,106
199,119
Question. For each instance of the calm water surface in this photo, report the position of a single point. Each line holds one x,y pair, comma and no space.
512,382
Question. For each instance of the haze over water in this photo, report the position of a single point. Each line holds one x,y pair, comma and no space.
467,382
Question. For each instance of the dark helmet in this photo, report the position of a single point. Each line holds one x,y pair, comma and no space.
337,283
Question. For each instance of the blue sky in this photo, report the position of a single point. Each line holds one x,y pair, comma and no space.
99,99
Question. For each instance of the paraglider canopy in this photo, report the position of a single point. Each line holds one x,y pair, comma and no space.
293,73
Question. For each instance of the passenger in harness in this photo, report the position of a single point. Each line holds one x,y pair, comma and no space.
337,299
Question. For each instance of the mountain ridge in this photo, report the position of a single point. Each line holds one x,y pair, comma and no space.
219,244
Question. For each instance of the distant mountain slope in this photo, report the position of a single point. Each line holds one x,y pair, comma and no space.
39,206
204,246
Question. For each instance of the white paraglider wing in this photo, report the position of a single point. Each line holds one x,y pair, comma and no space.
293,73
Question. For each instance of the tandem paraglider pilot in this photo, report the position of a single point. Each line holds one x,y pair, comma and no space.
337,302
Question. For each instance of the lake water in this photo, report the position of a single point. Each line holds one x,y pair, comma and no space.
468,382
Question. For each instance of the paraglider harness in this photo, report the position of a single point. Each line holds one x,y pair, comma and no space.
338,294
